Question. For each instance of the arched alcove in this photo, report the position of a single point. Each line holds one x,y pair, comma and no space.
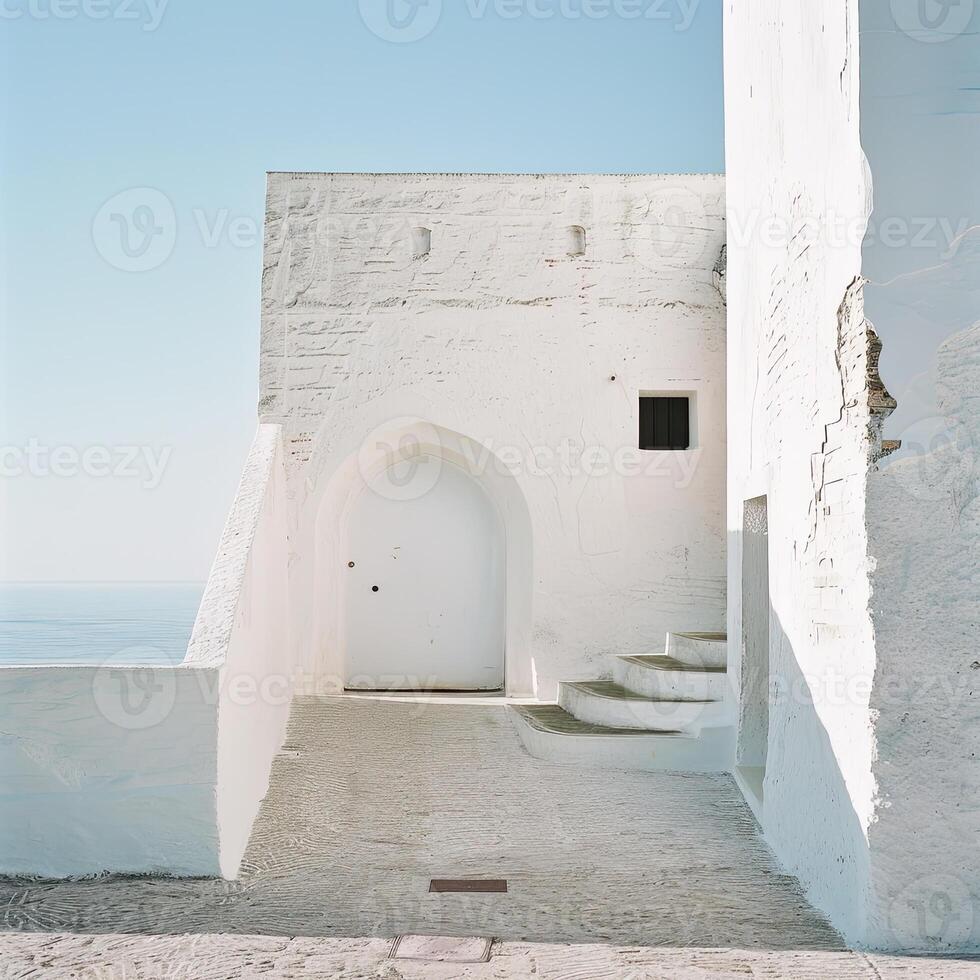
465,524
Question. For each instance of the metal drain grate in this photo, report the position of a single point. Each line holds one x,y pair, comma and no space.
468,885
441,949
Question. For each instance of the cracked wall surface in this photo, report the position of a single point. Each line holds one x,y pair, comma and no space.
800,427
502,336
871,791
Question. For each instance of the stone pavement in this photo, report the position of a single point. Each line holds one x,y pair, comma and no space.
202,957
647,874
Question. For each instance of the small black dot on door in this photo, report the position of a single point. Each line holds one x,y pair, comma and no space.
374,588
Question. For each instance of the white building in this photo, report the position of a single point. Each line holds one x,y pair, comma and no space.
498,334
493,456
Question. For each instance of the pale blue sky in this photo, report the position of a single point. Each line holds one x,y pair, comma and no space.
199,108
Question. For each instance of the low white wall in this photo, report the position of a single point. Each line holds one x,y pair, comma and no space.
115,768
504,341
107,769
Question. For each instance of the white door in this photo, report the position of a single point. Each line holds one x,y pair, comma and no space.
423,596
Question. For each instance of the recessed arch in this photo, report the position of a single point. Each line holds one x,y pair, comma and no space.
338,491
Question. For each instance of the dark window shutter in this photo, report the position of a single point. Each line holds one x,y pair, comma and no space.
665,422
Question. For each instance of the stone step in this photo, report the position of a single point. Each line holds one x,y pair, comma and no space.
698,649
666,677
612,705
555,719
548,732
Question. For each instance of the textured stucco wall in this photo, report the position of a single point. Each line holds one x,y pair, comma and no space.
871,786
499,335
800,425
920,129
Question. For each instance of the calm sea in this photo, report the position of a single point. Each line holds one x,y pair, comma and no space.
55,623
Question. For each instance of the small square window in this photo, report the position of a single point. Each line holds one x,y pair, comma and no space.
665,422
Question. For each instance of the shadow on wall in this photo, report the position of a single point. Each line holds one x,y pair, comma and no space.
821,830
807,818
877,901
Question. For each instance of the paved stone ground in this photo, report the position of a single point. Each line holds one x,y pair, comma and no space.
55,957
370,799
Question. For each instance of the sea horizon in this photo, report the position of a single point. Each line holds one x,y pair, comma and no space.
94,622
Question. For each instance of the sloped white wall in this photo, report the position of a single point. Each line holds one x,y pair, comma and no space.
499,335
242,631
256,675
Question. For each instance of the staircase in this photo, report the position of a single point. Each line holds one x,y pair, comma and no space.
658,713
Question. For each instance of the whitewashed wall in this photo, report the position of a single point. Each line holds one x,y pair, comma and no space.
499,339
920,129
798,424
242,631
869,795
114,768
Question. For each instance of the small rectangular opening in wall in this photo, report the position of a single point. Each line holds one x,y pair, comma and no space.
665,422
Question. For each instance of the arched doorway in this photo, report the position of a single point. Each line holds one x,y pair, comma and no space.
423,593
